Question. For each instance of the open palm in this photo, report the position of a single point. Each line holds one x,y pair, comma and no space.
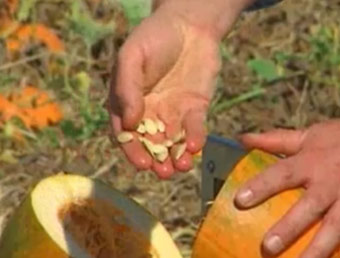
166,70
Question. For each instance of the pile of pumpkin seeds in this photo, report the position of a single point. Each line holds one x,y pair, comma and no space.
160,152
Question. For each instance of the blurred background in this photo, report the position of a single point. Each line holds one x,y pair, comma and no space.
281,68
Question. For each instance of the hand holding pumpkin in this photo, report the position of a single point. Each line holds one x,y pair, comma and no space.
313,162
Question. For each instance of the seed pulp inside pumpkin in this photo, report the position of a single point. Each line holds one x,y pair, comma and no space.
103,230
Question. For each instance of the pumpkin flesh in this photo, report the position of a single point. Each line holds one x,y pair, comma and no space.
73,216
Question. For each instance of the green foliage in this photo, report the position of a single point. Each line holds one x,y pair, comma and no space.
324,48
282,57
92,115
264,69
83,82
136,10
25,8
7,79
82,24
49,136
222,105
70,129
90,121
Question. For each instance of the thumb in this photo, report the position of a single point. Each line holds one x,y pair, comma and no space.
279,141
126,87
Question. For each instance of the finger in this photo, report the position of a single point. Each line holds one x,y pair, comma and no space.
126,88
328,237
133,150
163,170
184,163
295,222
116,124
195,132
137,155
277,178
279,141
172,128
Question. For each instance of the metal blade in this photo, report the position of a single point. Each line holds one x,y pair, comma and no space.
220,155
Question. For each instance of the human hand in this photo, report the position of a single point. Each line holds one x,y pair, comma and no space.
313,162
167,70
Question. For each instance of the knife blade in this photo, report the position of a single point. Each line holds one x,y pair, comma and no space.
219,157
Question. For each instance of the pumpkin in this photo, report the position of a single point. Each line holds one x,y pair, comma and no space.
32,106
74,216
232,233
38,33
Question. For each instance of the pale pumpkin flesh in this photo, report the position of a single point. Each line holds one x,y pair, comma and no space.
72,216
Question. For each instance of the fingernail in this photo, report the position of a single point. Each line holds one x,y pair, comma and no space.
245,196
273,244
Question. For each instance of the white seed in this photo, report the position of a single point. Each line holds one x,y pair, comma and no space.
148,145
168,143
157,151
160,126
161,157
179,150
124,137
150,126
141,128
179,136
159,148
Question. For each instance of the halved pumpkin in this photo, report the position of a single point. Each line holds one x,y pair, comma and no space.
73,216
229,232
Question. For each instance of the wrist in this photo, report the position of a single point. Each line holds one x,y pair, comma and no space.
214,17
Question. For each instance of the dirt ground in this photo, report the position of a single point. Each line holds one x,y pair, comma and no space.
300,37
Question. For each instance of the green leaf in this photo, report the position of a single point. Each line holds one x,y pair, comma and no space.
282,57
264,68
81,23
82,82
256,92
136,10
25,9
51,136
70,130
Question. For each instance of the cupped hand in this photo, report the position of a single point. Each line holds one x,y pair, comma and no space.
166,70
312,162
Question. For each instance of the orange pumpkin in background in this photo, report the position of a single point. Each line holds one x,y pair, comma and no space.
232,233
32,106
37,33
18,35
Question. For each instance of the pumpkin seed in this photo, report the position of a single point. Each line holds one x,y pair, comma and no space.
160,126
168,143
141,128
124,137
159,148
161,157
179,150
179,136
148,145
157,151
150,126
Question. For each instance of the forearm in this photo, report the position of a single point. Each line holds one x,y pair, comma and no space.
214,16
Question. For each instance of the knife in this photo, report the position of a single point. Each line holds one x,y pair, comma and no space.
219,157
